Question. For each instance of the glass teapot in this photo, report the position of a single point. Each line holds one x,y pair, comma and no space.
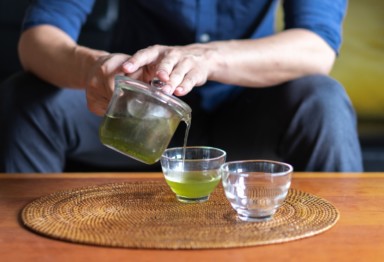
141,120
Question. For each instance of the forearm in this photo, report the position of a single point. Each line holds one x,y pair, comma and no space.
53,56
271,60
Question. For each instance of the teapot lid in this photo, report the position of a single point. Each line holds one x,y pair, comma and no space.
179,106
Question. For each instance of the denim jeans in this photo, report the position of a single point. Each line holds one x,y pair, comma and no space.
308,123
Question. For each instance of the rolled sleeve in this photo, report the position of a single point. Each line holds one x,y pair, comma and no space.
68,15
323,17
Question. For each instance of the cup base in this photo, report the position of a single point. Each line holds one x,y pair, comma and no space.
254,219
192,200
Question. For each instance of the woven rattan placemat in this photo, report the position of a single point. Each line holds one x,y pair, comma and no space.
147,215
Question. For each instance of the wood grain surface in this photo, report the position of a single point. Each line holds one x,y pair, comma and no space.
357,236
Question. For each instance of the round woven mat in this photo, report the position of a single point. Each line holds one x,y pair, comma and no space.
147,215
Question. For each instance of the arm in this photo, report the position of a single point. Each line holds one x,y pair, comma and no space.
52,55
253,63
48,48
272,60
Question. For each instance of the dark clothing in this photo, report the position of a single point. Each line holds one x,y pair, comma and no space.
145,23
308,123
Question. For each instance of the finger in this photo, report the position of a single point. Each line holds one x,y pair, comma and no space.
101,86
173,82
167,65
162,75
98,109
109,85
141,58
179,73
97,105
105,73
190,80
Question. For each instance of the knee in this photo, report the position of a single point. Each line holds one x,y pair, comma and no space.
23,90
18,81
324,96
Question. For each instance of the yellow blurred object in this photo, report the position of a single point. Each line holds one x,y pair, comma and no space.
360,65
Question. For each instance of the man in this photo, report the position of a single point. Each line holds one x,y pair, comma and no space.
254,93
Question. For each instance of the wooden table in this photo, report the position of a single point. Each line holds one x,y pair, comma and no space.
357,236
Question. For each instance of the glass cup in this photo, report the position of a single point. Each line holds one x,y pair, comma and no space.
192,173
141,120
256,188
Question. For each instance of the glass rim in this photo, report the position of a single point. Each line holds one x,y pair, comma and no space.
289,166
178,105
223,153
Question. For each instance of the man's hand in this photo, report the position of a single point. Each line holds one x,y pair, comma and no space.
180,67
100,81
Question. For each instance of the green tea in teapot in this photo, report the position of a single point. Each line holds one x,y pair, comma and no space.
136,137
140,120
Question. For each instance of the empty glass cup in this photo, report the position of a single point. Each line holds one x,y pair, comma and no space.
141,120
192,173
256,188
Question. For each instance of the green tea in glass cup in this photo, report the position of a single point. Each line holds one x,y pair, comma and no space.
192,172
